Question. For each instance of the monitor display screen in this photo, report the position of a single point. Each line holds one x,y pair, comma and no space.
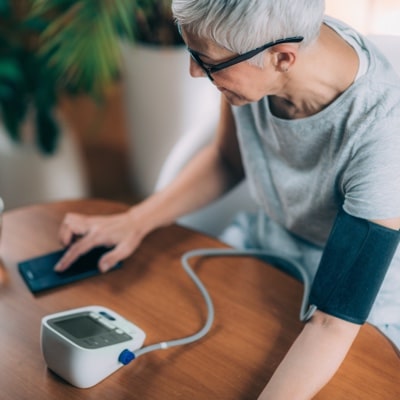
82,326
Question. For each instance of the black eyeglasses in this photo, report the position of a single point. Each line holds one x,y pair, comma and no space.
212,68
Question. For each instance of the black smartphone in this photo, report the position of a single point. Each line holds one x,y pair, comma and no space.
38,273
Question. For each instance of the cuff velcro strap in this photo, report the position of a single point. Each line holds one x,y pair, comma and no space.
352,268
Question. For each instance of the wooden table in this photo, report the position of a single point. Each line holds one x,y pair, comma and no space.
256,320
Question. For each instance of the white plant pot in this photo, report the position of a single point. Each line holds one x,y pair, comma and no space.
27,176
163,103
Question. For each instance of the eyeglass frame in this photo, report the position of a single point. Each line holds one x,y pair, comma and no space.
212,68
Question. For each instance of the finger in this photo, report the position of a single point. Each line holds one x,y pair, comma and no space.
65,234
76,250
73,226
112,257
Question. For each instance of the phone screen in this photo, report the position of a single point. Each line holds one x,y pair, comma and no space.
38,273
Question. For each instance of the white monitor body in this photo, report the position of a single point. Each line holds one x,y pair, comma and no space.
83,345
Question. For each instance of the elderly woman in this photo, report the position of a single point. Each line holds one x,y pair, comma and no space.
310,114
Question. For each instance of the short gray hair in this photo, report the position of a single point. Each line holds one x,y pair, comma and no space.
242,25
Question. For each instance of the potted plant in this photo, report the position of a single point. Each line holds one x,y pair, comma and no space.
53,48
163,103
49,48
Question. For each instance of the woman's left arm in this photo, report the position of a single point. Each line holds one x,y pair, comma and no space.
313,358
316,354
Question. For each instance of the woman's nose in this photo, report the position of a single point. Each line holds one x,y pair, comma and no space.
195,70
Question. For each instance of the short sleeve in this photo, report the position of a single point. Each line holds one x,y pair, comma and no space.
371,181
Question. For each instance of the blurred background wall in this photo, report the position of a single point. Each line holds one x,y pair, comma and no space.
368,16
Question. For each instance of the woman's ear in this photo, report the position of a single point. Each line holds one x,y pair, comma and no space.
284,56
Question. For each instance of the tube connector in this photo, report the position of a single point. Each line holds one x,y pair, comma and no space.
126,357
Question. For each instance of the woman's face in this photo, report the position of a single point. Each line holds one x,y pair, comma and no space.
241,83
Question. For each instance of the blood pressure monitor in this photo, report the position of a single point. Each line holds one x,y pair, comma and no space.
84,345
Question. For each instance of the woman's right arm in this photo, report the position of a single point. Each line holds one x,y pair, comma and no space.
212,172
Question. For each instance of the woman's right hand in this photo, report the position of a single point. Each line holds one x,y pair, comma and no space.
121,232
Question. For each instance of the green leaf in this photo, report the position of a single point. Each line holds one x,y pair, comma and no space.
12,114
85,52
5,92
9,69
5,8
48,132
42,7
35,24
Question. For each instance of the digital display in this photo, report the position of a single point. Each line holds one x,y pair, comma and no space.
81,326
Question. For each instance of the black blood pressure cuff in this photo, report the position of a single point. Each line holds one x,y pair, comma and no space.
353,265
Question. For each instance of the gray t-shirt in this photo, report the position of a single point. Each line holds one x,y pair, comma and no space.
301,171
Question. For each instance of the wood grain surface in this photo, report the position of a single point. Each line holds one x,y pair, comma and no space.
256,320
